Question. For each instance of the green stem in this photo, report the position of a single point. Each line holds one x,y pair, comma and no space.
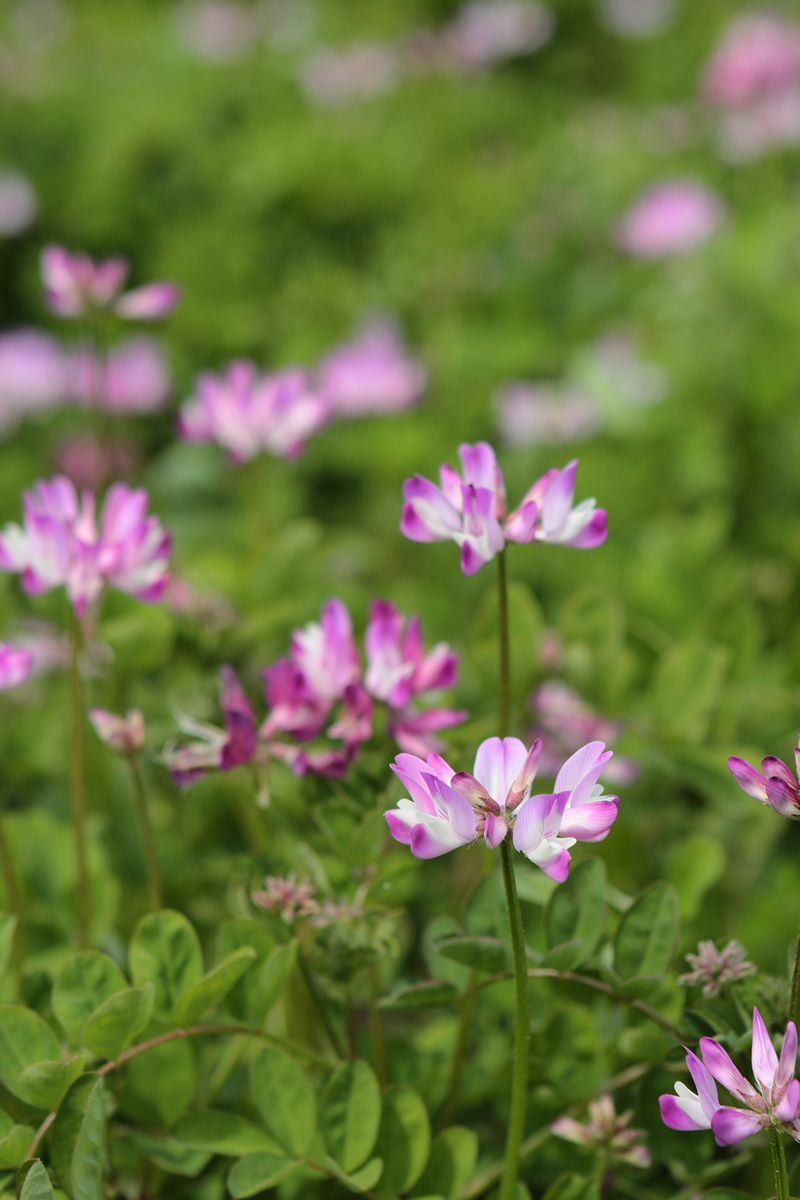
83,897
503,670
448,1111
376,1039
148,841
779,1165
519,1069
793,995
11,886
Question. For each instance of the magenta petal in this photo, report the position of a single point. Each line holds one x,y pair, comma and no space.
424,845
520,525
558,500
470,789
764,1058
772,766
789,1105
719,1063
593,534
495,830
704,1082
398,829
731,1125
578,766
785,799
471,559
414,528
748,778
674,1116
589,822
557,868
788,1055
149,303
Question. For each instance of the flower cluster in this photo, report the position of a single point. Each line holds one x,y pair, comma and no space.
564,723
123,735
446,809
776,1103
714,968
606,1131
287,897
670,219
248,412
75,285
774,785
318,689
470,509
62,544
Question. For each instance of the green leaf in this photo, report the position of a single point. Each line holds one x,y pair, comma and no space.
241,999
24,1039
572,1187
224,1133
83,983
173,1065
350,1114
256,1172
725,1194
452,1159
165,951
212,989
76,1141
421,995
115,1023
360,1181
694,865
45,1083
285,1099
687,689
33,1182
272,980
646,935
8,925
404,1138
484,953
171,1155
14,1146
576,914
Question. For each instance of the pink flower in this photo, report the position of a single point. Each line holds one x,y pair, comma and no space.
217,749
530,414
247,413
774,785
125,735
287,897
488,31
16,666
325,652
134,378
758,56
436,818
74,285
218,31
331,77
89,462
34,375
61,544
606,1132
670,219
372,374
775,1105
398,670
565,723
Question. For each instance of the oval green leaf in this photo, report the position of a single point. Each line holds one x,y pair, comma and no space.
212,989
257,1172
33,1182
360,1181
350,1114
76,1142
646,935
45,1083
483,953
404,1139
451,1163
272,980
224,1133
25,1039
14,1146
285,1100
115,1023
430,993
241,999
165,951
576,913
83,983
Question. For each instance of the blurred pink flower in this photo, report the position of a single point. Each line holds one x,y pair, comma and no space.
124,735
333,77
759,55
134,378
564,723
669,219
216,749
75,285
372,374
47,646
638,19
61,544
489,31
287,897
16,666
218,31
89,462
247,413
34,375
531,414
606,1132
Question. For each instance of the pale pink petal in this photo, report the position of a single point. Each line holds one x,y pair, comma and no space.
495,829
558,499
719,1063
789,1106
764,1058
788,1056
589,822
748,778
731,1125
148,303
578,766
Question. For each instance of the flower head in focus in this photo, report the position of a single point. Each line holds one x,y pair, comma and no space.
372,374
247,413
774,1105
287,897
124,735
16,666
774,785
75,285
714,968
61,544
470,509
670,219
606,1131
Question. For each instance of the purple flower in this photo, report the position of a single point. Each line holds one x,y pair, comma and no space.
530,414
670,219
605,1131
325,652
776,1103
774,784
74,285
372,374
469,510
247,413
217,749
125,735
61,544
436,818
489,31
758,56
134,378
16,666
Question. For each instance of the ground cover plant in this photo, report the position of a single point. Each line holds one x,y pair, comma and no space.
380,813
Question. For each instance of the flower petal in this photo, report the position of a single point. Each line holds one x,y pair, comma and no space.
788,1056
789,1106
719,1063
731,1125
764,1058
748,778
589,822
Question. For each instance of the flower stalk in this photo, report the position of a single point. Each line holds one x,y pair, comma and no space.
146,829
519,1068
11,887
793,1015
503,667
779,1165
78,713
